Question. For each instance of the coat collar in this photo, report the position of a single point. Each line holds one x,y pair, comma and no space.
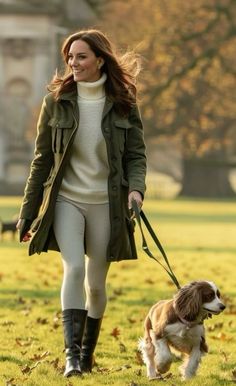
72,95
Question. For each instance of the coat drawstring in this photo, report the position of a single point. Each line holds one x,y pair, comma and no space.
58,141
61,141
55,142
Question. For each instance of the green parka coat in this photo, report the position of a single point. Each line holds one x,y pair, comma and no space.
57,126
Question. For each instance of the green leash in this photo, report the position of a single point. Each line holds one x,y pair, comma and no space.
138,216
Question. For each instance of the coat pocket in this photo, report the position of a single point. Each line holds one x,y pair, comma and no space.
60,128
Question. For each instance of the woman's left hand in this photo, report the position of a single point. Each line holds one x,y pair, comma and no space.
135,195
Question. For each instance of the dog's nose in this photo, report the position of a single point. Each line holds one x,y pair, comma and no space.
222,306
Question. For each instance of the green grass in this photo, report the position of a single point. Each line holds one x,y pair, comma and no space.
199,239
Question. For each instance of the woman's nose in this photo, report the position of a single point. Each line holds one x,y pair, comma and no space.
73,62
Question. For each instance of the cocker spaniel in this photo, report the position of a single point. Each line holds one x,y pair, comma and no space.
179,323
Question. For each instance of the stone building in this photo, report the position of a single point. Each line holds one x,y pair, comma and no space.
30,35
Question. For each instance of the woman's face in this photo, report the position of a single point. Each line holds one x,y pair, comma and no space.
83,62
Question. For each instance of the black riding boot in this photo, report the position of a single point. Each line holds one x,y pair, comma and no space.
73,323
91,333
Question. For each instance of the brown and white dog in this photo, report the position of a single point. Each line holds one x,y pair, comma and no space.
178,323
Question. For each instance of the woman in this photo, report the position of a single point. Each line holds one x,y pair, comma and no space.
89,165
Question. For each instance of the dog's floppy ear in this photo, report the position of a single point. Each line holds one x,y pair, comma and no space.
188,301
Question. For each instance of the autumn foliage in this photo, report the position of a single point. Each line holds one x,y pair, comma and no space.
189,78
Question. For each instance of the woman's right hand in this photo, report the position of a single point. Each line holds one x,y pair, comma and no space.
27,235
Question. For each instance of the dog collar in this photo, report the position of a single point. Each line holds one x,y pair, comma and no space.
189,324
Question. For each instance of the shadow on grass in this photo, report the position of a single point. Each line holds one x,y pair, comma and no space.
12,359
15,298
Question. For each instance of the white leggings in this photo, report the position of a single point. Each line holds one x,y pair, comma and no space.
77,225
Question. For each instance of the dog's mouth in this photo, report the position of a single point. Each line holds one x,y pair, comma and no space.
214,312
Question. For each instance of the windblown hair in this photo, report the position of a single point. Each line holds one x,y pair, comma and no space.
121,70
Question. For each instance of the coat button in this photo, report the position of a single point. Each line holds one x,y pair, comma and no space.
114,187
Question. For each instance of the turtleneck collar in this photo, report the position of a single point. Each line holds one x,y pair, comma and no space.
92,90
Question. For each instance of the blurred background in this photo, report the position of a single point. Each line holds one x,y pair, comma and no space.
187,86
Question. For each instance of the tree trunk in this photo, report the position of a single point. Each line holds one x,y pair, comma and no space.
206,178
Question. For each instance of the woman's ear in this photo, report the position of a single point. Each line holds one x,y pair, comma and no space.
100,62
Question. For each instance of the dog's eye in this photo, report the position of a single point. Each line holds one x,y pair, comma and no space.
208,297
218,293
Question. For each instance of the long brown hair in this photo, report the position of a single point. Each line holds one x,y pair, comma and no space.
121,70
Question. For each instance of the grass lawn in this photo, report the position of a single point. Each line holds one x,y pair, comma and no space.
199,239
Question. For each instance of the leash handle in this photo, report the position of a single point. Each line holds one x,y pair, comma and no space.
138,216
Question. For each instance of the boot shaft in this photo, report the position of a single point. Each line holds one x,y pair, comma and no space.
73,324
89,343
91,334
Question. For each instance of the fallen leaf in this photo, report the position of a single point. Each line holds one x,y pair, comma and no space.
222,336
56,322
118,292
234,375
139,359
230,324
103,370
120,368
25,369
56,365
132,321
149,281
122,347
215,327
23,343
46,302
41,320
38,357
21,300
10,382
115,332
26,311
224,355
7,323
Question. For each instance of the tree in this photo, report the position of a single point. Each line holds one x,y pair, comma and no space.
188,86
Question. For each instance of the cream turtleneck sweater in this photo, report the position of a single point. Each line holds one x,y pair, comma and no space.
86,175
